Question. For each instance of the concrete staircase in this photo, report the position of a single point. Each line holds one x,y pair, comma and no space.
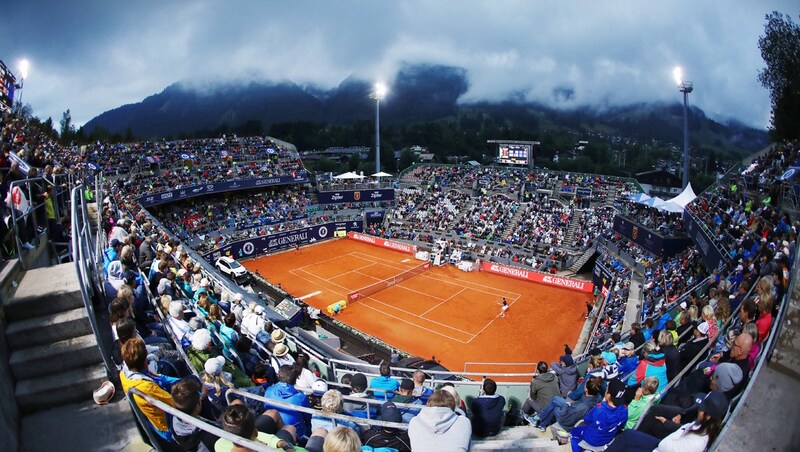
580,261
519,215
54,355
569,238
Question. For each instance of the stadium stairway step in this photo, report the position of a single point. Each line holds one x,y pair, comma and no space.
56,389
48,328
583,259
54,356
569,239
523,438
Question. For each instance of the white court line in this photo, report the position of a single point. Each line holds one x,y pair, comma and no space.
312,294
347,290
404,261
411,314
490,322
416,325
337,257
443,301
447,279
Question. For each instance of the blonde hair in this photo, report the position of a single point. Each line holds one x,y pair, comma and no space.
692,311
342,439
331,401
218,381
165,302
708,313
665,338
650,385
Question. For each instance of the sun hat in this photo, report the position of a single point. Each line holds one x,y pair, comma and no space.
277,336
201,339
281,350
213,366
319,387
104,393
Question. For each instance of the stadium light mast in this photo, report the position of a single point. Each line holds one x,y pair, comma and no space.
378,94
685,87
23,74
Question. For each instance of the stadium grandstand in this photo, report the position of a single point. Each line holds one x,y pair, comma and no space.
120,313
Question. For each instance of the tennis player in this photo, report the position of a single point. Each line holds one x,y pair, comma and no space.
503,307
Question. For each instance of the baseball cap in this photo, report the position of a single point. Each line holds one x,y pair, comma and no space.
390,413
703,328
213,366
319,387
567,359
616,389
728,375
628,346
609,357
104,393
715,404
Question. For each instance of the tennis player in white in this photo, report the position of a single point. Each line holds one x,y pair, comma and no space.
503,307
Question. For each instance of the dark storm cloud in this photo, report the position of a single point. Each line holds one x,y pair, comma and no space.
94,56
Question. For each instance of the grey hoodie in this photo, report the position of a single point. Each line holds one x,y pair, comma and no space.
439,429
567,377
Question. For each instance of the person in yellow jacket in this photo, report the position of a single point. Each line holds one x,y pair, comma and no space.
136,375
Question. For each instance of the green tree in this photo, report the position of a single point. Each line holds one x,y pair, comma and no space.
67,130
407,158
780,49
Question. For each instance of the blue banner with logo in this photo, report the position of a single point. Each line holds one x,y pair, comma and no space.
219,187
711,255
282,240
651,241
602,276
344,196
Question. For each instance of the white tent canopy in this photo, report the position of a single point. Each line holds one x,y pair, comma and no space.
670,206
685,197
639,197
381,174
348,175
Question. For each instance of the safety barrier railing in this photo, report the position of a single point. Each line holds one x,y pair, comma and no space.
156,442
307,410
85,259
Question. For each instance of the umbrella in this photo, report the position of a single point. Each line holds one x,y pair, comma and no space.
381,174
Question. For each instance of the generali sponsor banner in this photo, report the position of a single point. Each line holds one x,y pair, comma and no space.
377,241
529,275
282,240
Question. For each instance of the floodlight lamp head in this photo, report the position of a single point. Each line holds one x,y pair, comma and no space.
677,73
23,69
380,91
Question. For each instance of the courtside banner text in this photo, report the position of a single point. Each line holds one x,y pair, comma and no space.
544,278
377,241
282,240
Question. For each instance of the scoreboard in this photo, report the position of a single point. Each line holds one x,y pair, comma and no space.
514,154
7,83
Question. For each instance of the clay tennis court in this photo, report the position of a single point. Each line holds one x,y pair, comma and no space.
446,312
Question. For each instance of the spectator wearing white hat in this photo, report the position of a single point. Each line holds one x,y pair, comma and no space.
690,349
215,380
202,349
281,357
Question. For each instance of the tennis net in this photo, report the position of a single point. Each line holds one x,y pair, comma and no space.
386,283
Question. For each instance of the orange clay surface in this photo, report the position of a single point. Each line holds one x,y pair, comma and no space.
446,312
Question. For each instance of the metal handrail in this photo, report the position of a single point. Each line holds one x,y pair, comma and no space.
81,238
430,372
191,420
312,411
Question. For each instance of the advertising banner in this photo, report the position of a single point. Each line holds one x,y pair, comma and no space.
282,240
344,196
651,241
602,276
154,199
705,244
377,241
534,276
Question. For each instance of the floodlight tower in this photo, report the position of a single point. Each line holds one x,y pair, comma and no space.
685,87
23,74
378,94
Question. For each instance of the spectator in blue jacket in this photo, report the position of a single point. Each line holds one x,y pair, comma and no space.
487,411
284,391
663,318
602,423
568,412
384,382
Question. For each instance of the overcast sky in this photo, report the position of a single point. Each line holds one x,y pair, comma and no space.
95,55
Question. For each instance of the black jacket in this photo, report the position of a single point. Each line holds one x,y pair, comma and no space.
487,415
